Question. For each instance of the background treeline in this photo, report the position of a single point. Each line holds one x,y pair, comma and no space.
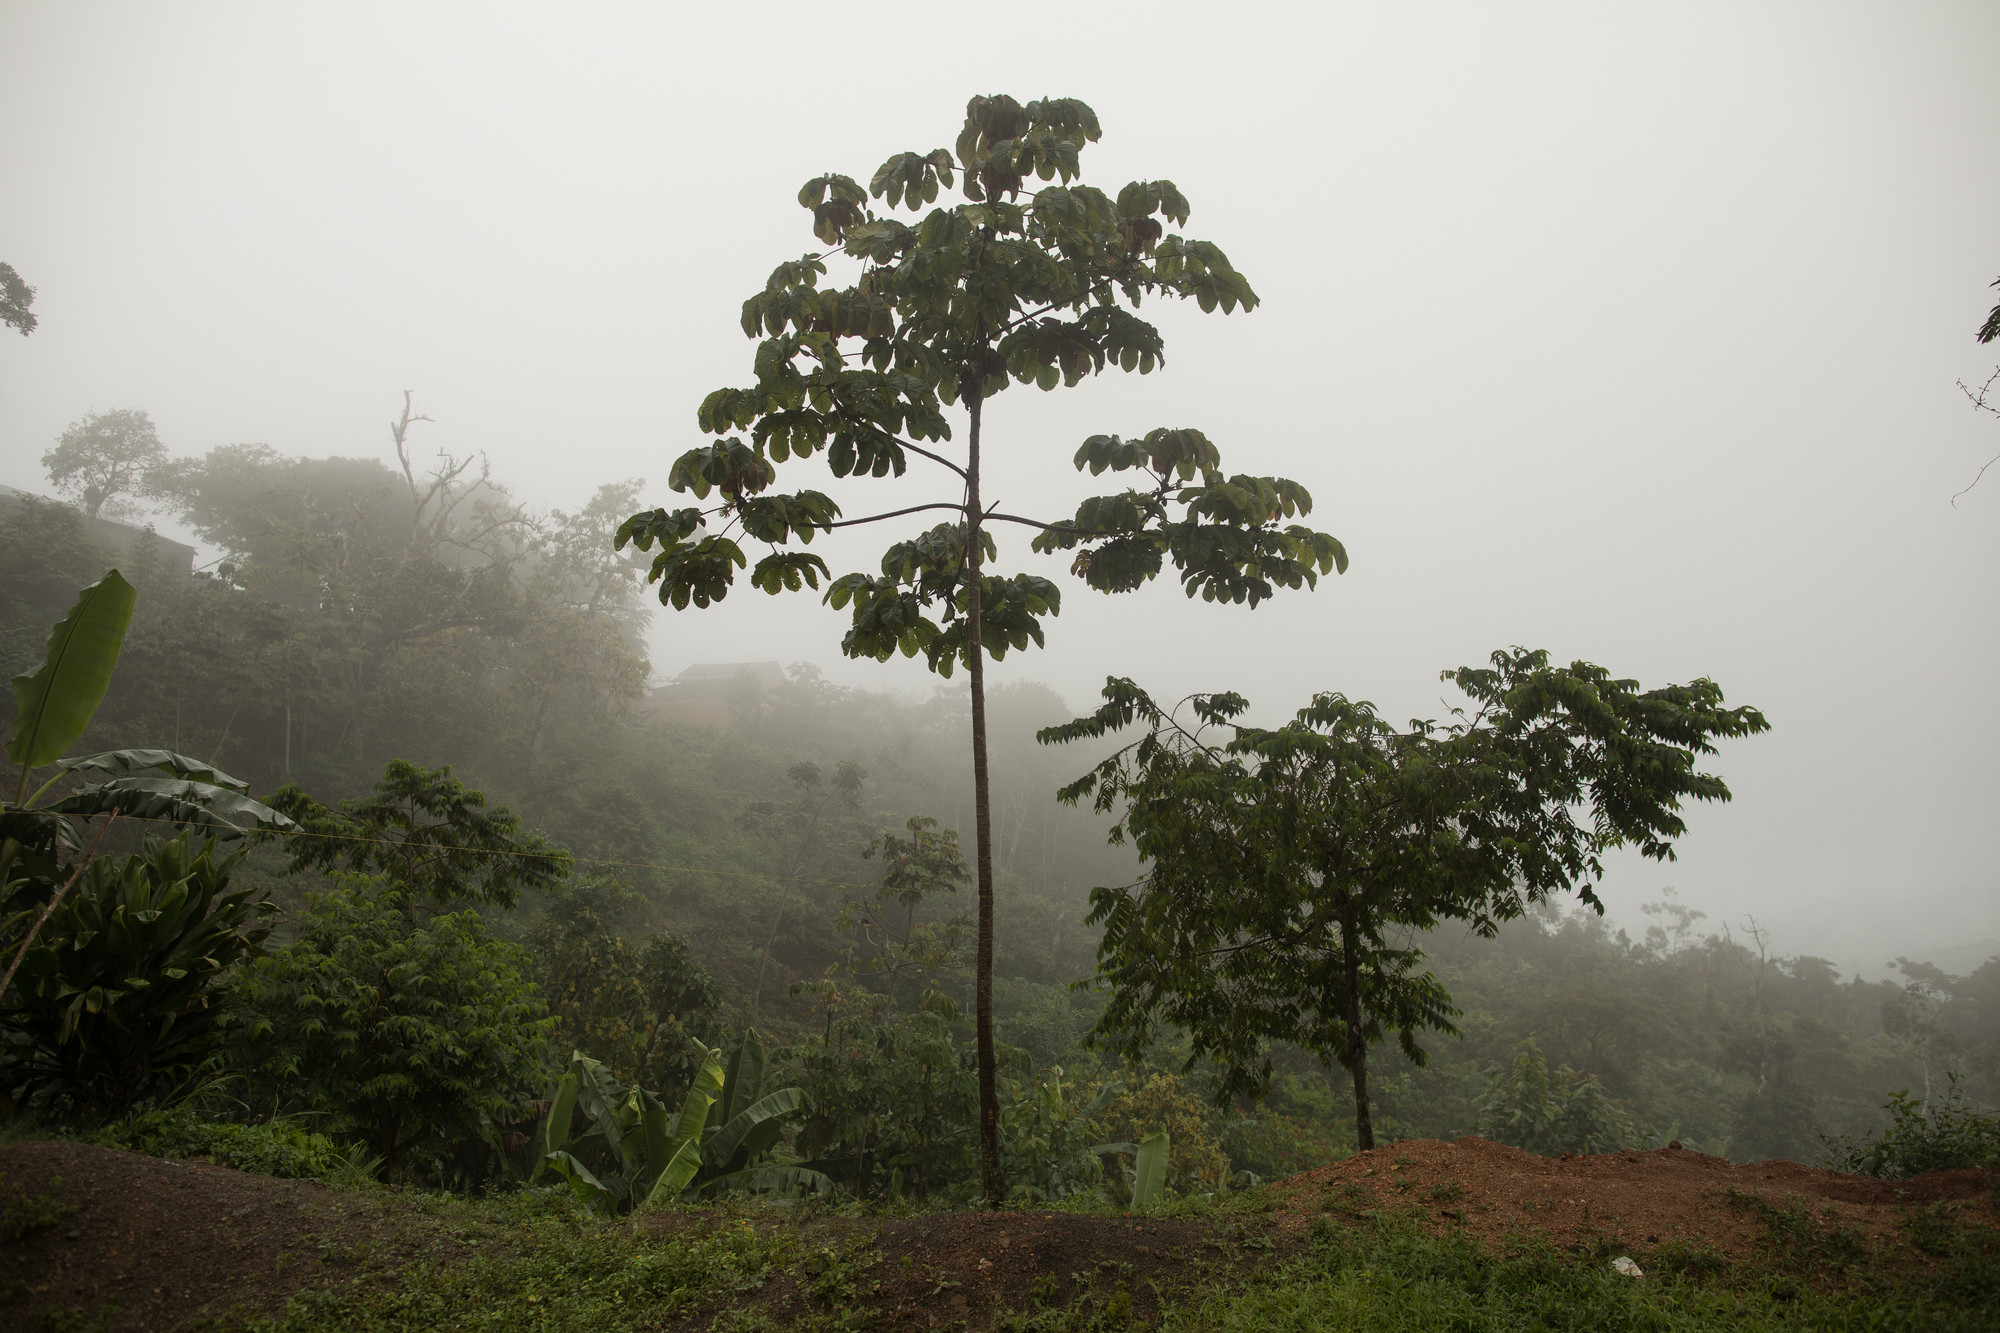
738,854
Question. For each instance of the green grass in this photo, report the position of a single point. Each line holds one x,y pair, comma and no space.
533,1261
1388,1274
545,1269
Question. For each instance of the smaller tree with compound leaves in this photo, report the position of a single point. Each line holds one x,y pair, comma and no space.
427,831
414,1036
1289,871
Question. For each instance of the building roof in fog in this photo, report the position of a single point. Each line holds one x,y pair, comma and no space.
124,538
767,673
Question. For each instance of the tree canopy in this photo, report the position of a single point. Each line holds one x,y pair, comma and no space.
16,296
1290,869
105,457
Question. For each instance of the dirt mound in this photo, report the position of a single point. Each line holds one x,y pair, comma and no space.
154,1244
1630,1200
957,1270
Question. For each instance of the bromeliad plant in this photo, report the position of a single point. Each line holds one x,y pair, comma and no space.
113,1005
648,1157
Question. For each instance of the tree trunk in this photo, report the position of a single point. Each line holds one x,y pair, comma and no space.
1357,1044
982,820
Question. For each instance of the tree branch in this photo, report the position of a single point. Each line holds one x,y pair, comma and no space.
893,513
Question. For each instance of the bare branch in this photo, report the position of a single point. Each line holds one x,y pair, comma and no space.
1979,401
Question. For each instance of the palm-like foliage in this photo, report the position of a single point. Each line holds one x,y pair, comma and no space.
646,1156
111,1005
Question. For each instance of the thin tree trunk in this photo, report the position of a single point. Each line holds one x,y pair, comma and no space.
994,1183
216,758
757,995
36,929
1357,1044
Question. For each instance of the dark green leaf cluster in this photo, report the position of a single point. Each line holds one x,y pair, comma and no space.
890,611
111,1005
414,1036
425,830
1551,1111
1935,1133
1227,543
1012,284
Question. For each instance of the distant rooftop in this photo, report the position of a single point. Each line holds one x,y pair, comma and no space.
700,671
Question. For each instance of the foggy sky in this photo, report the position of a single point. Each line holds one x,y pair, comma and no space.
1631,335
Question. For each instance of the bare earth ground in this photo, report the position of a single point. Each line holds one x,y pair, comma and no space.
167,1243
173,1245
1625,1200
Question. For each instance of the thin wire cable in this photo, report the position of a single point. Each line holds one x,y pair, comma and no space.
493,851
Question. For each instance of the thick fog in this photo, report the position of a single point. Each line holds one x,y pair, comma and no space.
1628,332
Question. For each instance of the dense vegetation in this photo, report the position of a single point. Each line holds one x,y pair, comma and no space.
785,828
502,915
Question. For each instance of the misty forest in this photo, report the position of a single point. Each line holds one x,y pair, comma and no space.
357,839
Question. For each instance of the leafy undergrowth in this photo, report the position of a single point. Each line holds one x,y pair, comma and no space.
117,1241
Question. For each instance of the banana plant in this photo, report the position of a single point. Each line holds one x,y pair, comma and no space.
654,1156
1149,1170
53,707
712,1143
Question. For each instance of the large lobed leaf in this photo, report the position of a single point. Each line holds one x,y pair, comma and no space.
54,705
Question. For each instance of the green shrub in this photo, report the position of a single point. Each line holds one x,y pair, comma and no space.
1540,1110
892,1097
1923,1135
272,1148
416,1034
1271,1145
647,1010
22,1214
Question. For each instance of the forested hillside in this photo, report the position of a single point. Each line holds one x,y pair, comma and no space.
752,861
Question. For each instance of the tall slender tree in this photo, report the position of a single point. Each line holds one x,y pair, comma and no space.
1013,282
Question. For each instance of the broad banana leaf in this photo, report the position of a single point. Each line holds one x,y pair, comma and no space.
744,1083
702,1095
773,1180
737,1133
589,1190
671,1182
1106,1149
219,811
1149,1172
126,763
598,1094
1106,1095
756,1143
652,1137
562,1103
55,704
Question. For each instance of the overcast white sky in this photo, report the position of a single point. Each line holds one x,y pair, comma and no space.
1626,331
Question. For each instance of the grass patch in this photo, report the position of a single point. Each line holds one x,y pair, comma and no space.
22,1214
534,1261
1391,1274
